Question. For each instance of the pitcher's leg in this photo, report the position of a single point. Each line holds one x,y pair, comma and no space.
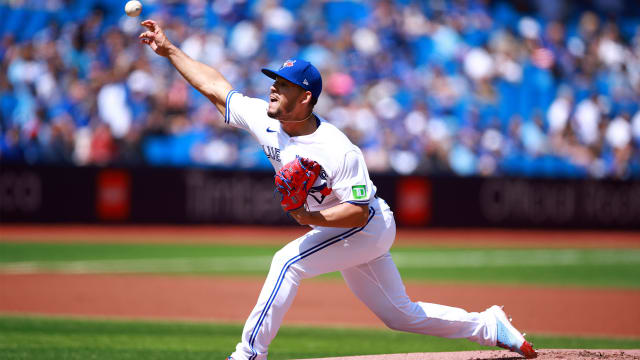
276,296
378,285
315,253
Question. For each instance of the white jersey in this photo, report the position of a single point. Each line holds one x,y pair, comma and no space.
344,176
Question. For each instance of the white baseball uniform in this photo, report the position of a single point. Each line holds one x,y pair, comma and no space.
360,254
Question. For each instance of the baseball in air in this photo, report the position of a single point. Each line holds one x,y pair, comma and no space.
133,8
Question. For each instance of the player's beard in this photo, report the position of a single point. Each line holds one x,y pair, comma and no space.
281,110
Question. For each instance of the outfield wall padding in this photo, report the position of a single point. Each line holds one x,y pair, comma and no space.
210,196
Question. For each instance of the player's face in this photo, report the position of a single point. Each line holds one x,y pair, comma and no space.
284,96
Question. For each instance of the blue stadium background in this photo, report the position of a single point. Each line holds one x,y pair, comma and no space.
468,88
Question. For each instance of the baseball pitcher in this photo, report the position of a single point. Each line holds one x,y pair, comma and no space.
323,182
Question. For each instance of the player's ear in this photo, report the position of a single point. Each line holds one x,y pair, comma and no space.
306,97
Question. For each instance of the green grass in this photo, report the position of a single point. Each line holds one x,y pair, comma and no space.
133,258
78,251
567,267
61,338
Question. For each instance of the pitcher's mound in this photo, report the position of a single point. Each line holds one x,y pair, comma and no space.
500,354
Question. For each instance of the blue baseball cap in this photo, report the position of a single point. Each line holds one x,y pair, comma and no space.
301,73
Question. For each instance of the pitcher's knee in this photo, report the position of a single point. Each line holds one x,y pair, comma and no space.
396,321
403,317
280,258
282,264
395,324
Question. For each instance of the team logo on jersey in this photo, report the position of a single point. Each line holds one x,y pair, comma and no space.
288,63
318,193
359,192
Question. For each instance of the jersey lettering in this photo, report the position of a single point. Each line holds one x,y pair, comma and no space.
271,152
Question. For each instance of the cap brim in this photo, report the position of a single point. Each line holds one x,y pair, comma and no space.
272,74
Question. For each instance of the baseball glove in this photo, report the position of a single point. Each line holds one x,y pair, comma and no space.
294,181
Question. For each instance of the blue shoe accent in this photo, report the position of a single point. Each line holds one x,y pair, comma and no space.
508,337
505,337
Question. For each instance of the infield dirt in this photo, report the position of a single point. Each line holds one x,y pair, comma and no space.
248,235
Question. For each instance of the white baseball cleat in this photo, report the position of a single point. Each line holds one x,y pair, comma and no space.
508,337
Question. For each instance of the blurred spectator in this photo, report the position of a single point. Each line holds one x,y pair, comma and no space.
471,87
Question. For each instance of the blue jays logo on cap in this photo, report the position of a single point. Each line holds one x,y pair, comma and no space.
301,73
287,63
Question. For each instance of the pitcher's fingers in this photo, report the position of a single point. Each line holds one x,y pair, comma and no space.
149,24
148,35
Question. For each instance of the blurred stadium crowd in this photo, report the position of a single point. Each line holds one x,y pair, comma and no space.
469,87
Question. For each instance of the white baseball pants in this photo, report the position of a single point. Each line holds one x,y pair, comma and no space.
362,256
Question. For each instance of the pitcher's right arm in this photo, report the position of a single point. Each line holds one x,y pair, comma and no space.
209,81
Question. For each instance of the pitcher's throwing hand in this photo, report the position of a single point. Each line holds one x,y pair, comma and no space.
155,38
